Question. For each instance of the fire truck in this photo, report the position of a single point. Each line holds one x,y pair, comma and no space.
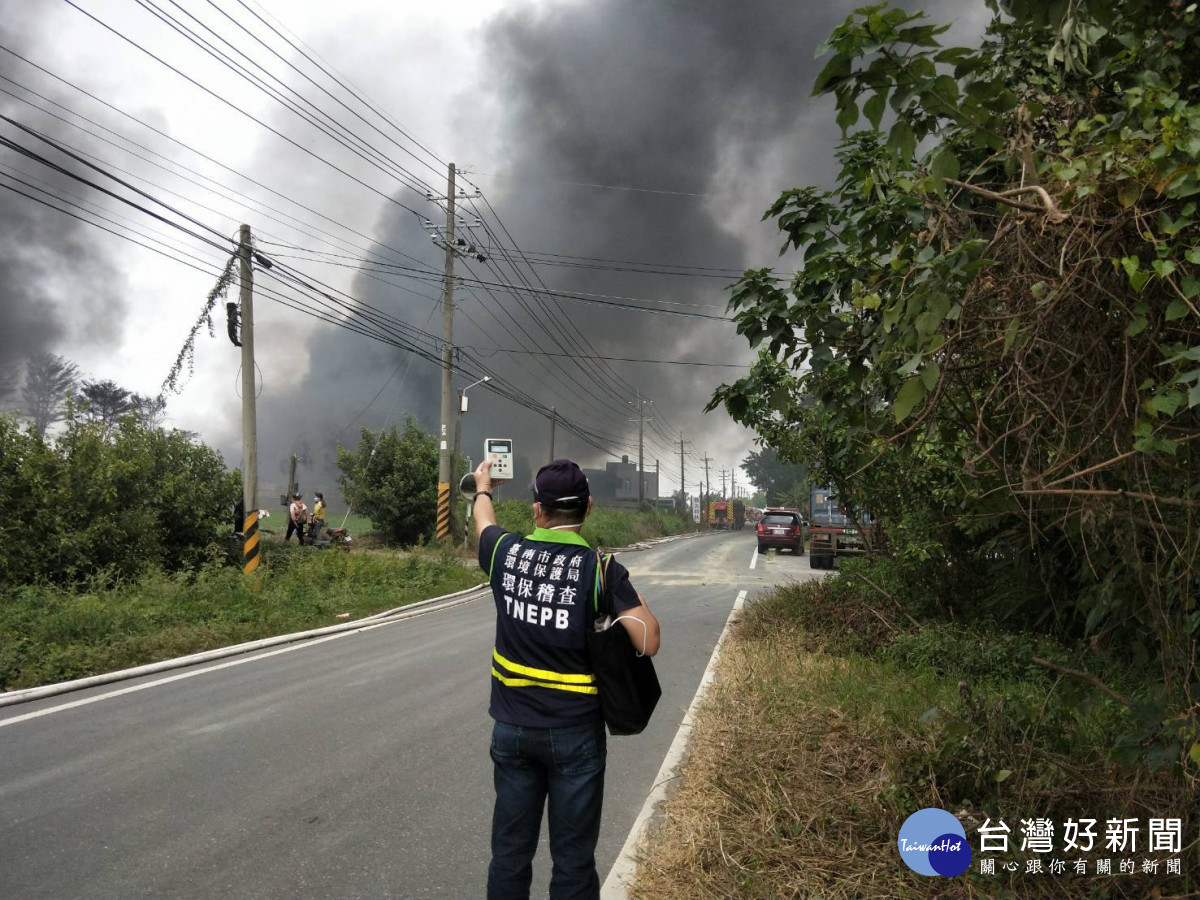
833,534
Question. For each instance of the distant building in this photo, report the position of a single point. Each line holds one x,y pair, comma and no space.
616,485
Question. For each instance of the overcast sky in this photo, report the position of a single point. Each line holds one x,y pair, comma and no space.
701,106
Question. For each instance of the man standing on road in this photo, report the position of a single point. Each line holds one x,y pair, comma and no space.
548,740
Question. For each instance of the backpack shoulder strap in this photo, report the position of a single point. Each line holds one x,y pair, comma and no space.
600,590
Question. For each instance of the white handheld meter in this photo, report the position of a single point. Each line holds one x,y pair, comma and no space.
500,452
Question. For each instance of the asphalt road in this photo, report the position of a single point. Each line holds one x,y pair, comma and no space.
351,767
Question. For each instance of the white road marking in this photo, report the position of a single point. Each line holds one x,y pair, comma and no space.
754,558
620,876
191,674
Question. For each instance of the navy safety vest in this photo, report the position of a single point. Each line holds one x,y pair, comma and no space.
545,587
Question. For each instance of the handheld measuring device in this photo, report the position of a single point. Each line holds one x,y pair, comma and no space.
500,452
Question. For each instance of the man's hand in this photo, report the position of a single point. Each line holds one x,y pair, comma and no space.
484,514
483,476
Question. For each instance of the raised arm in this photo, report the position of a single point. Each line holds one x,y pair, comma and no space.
485,513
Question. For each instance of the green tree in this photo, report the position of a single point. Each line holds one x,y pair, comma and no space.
773,476
104,402
391,477
48,380
996,330
150,411
8,387
119,501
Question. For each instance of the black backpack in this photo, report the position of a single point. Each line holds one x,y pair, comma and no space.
628,685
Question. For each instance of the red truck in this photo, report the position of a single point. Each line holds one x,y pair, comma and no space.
832,534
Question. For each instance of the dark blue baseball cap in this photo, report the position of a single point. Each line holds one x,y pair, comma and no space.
561,485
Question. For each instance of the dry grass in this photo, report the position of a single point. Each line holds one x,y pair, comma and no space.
796,786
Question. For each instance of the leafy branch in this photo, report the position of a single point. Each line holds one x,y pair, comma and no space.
187,355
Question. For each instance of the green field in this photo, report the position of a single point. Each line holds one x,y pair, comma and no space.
54,633
604,527
50,634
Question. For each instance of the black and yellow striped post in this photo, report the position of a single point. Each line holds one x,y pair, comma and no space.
443,511
250,555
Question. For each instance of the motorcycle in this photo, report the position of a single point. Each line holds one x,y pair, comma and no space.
337,538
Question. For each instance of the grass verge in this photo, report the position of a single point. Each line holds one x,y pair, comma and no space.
830,724
604,527
50,634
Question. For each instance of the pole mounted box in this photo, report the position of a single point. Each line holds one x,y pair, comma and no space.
500,452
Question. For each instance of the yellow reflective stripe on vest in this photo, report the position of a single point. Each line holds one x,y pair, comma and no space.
525,682
541,673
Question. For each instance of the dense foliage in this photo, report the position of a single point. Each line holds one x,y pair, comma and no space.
114,499
391,477
781,482
994,340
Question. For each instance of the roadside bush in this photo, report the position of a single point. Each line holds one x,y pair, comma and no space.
1006,713
515,516
391,478
109,499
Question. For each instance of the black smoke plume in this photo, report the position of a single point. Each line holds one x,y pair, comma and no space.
707,100
60,285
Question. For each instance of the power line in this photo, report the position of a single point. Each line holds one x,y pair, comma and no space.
366,151
611,300
603,371
607,371
341,82
588,184
37,157
284,196
661,362
241,111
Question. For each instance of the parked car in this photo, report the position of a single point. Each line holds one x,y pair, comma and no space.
783,528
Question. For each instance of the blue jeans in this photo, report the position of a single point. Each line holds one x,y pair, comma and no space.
530,763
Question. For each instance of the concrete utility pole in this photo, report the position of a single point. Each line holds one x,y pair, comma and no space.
707,487
682,480
445,464
462,403
723,484
641,420
553,426
250,558
733,483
